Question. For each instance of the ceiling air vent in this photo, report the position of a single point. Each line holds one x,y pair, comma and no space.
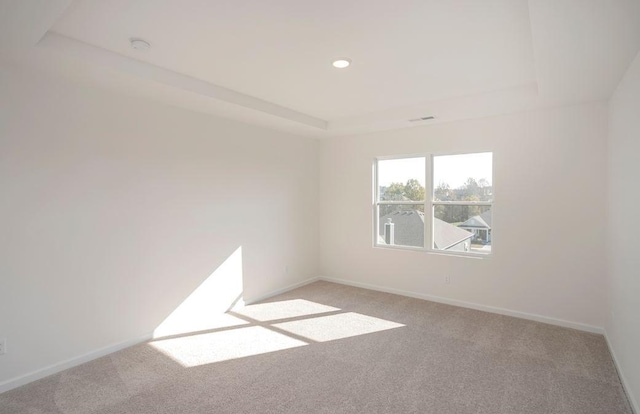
424,118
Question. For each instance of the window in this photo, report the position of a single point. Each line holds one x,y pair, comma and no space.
435,203
401,201
462,201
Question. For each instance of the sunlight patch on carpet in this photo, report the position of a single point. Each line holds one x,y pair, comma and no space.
284,309
195,350
332,327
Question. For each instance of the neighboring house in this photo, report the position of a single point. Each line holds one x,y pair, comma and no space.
409,231
480,226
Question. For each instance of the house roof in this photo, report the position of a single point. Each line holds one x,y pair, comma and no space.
481,221
446,235
409,230
409,227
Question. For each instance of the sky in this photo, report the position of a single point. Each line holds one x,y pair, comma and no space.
452,169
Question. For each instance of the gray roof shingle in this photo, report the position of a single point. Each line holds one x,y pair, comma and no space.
409,230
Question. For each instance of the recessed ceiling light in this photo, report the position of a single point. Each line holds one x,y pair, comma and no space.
140,44
341,63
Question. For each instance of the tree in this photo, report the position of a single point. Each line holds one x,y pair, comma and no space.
471,210
411,191
395,192
443,192
471,190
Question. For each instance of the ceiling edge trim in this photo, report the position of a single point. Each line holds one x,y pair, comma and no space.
116,61
50,13
515,98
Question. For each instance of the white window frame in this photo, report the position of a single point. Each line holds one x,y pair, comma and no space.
428,204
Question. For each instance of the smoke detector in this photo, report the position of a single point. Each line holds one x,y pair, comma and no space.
140,44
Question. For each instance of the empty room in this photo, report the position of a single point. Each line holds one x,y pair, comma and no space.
296,206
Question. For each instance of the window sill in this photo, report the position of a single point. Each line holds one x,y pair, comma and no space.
435,252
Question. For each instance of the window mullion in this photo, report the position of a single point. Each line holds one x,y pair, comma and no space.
376,199
462,203
400,203
428,202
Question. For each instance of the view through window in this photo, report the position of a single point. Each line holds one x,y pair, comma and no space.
441,202
462,200
401,201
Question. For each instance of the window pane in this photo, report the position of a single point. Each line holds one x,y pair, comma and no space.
401,179
401,225
462,228
465,177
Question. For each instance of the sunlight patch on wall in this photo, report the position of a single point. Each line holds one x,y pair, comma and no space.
204,308
332,327
283,309
195,350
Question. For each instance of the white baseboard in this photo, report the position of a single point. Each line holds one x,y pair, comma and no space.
476,306
280,291
72,362
632,400
69,363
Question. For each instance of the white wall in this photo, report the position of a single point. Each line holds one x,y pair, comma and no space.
115,209
623,326
548,234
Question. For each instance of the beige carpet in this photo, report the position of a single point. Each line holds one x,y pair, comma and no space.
327,348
